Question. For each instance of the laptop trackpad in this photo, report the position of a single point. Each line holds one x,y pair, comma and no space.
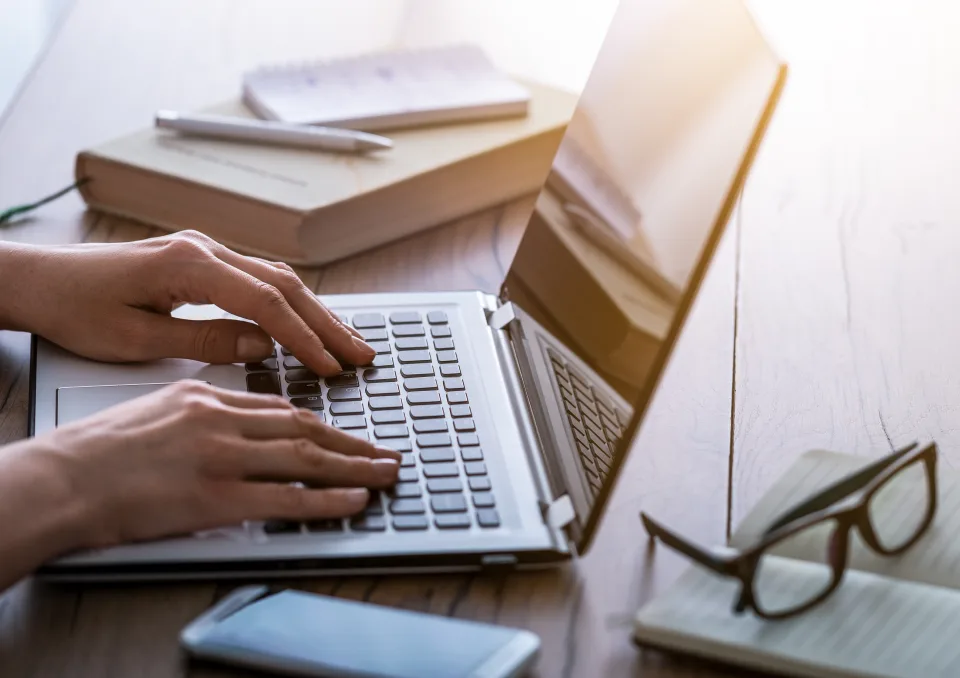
77,402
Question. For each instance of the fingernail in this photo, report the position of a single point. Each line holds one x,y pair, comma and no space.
253,346
387,469
332,362
357,496
365,348
387,452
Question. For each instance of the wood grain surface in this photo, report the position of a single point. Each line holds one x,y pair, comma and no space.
827,319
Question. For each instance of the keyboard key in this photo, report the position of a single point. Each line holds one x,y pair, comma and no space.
488,517
471,454
439,485
602,406
448,503
468,439
281,527
303,388
340,394
434,440
291,362
358,433
457,397
285,351
389,417
464,425
407,357
410,343
446,356
420,384
381,347
426,411
430,425
385,403
445,470
407,490
437,318
475,468
452,521
308,402
436,454
263,382
382,361
398,444
399,506
339,409
460,411
391,432
401,331
423,398
483,500
320,415
443,344
453,384
408,475
374,505
408,459
325,525
410,523
478,483
299,374
420,370
341,380
369,524
440,332
578,379
364,321
268,365
379,375
374,335
350,422
383,388
450,370
405,317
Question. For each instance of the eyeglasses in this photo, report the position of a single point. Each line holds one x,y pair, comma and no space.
891,502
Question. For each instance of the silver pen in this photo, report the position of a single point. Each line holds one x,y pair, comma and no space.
271,132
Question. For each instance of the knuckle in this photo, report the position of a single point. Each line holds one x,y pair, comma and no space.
306,452
290,500
181,247
205,340
283,266
191,386
305,420
270,295
288,280
199,407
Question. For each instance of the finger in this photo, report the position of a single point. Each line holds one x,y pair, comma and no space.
276,423
244,295
303,460
210,341
251,401
336,335
240,501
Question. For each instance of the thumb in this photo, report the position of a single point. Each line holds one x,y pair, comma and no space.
210,341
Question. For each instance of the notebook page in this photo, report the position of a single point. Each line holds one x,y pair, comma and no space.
935,559
388,84
871,626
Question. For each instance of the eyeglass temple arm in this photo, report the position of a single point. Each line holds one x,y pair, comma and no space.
838,490
677,543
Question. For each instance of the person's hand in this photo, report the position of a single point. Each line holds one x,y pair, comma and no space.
191,456
112,302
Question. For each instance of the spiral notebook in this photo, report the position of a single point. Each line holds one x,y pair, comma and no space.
387,90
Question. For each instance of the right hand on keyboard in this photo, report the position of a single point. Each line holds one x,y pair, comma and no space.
192,456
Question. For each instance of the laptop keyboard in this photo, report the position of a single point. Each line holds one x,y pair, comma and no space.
411,398
597,423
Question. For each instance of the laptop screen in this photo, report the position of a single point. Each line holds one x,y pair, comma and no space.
640,190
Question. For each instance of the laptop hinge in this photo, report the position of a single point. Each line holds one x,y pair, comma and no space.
559,513
502,316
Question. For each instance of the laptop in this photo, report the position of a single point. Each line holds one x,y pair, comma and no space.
514,412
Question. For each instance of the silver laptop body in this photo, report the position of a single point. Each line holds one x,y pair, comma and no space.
535,422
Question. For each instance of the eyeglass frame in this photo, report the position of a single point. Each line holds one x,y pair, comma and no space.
846,501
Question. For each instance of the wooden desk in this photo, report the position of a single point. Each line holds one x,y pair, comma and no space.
826,320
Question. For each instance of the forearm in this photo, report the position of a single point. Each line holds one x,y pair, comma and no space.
39,517
18,264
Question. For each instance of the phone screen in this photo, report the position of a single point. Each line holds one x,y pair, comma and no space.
325,636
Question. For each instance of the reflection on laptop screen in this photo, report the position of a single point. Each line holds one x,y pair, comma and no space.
635,202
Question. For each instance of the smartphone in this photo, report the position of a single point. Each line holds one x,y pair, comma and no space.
303,634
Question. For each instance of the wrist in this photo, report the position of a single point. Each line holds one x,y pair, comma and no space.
17,266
